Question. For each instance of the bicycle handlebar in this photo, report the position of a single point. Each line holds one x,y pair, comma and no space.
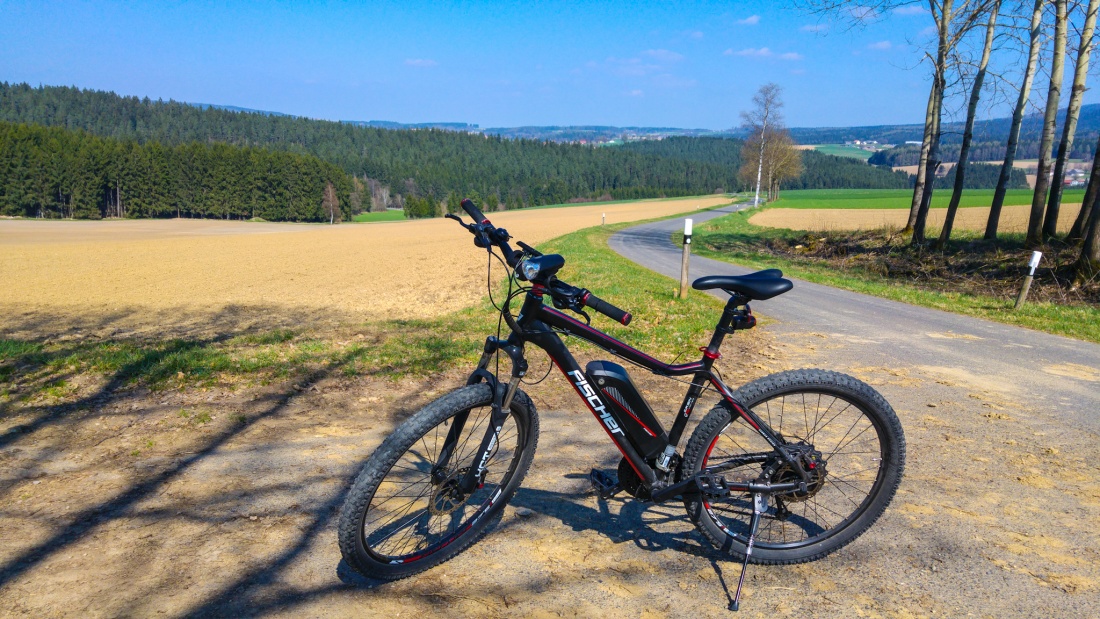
475,213
486,234
605,308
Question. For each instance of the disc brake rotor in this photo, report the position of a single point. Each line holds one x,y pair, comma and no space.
448,495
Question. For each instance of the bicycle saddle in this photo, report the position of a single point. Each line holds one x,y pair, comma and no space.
756,286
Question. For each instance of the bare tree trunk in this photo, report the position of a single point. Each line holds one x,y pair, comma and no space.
1088,265
1050,118
939,83
1077,232
968,131
760,167
1080,74
922,164
1017,120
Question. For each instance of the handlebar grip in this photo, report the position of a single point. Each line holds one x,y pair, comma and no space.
607,309
471,208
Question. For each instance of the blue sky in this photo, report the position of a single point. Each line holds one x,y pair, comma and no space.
674,64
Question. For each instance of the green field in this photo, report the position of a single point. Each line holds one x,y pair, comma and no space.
840,150
902,198
390,215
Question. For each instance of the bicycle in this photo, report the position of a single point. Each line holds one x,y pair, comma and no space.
786,469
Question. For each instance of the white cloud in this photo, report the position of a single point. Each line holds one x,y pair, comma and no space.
420,62
751,20
635,93
696,35
762,52
912,9
663,55
814,28
880,46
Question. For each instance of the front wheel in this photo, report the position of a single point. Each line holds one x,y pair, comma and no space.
407,512
857,444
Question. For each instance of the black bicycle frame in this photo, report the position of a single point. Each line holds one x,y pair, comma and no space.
540,325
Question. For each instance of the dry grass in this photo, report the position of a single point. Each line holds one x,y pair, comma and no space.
154,270
1013,218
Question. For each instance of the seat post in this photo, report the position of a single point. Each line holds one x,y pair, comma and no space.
726,325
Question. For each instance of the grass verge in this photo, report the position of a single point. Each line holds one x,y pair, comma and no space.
734,239
388,215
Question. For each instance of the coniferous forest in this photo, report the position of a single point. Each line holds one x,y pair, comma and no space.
53,172
68,152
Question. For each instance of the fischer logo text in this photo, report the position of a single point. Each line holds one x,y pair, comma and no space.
594,402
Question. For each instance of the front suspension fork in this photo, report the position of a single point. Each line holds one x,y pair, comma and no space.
503,394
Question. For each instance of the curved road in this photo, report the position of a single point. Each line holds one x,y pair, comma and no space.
1057,375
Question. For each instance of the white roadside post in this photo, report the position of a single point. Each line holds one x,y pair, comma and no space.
686,258
1035,257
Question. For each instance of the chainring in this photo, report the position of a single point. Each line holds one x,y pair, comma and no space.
630,481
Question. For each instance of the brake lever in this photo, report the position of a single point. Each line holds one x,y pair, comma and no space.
587,318
459,220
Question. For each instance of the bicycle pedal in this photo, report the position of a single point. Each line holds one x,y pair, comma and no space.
606,485
713,485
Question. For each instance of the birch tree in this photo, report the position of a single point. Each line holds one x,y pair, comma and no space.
1050,117
759,120
1073,110
1092,192
968,130
1088,265
1034,46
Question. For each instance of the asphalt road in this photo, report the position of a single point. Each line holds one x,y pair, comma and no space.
1056,375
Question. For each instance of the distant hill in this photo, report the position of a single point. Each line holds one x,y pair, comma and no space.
989,134
387,124
599,133
821,171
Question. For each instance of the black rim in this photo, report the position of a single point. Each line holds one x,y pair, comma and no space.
854,452
410,517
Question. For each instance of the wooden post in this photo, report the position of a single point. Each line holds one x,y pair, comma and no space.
685,259
603,218
1035,256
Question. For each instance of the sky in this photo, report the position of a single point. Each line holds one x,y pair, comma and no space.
494,64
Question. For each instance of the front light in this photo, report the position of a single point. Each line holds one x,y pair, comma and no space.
530,271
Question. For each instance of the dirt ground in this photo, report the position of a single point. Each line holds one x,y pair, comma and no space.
1013,218
186,267
223,502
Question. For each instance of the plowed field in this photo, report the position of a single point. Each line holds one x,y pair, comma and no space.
159,271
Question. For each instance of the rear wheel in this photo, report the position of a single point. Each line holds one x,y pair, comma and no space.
406,511
842,424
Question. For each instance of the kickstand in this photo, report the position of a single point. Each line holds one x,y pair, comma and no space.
759,506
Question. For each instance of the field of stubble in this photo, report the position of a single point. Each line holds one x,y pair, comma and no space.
1013,218
162,273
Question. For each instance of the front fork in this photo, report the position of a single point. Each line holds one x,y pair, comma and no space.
502,402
